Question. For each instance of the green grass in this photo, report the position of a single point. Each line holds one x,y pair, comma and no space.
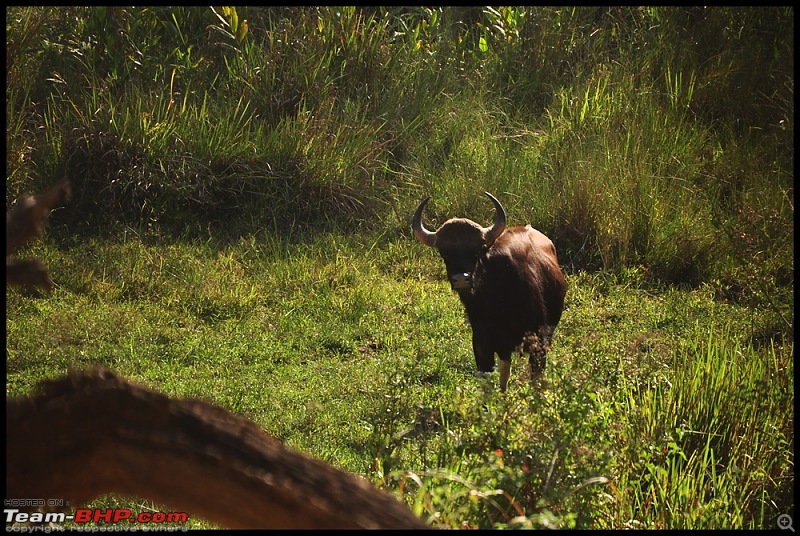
239,232
656,409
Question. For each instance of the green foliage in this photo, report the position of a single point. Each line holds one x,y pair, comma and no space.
626,133
660,407
243,180
700,477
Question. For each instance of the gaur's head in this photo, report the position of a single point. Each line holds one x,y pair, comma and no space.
460,242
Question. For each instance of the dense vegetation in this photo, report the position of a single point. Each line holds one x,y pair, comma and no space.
244,179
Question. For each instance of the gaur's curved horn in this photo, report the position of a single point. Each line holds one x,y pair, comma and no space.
423,235
499,224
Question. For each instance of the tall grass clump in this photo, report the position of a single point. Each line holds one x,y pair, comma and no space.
627,133
711,422
602,126
301,110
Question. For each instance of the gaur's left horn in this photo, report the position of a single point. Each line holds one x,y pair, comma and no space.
499,225
423,235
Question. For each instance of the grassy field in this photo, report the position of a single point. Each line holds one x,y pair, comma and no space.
244,180
657,408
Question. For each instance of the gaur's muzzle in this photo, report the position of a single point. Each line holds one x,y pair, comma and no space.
461,281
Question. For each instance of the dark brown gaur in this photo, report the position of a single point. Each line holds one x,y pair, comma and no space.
510,283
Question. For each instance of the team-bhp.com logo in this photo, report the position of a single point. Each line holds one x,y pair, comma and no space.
94,515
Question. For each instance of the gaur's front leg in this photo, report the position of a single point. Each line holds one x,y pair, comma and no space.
484,355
